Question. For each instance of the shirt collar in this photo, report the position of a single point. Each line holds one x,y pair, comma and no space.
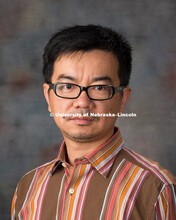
102,158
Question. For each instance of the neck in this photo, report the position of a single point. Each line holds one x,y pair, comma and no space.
76,149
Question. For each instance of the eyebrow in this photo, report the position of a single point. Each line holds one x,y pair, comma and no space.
102,78
65,76
95,79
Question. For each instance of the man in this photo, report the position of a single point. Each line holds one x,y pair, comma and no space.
87,71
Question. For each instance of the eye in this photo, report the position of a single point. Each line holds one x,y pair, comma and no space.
68,86
99,87
64,87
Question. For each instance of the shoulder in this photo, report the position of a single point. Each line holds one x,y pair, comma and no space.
154,169
153,186
31,182
33,176
42,169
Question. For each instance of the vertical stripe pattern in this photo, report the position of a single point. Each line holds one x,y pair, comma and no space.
122,178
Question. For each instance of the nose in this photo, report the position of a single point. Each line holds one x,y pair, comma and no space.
83,101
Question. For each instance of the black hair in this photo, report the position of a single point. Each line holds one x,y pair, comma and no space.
86,38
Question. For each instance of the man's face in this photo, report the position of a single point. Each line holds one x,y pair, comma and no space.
85,69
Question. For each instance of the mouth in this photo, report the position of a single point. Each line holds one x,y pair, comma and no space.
83,120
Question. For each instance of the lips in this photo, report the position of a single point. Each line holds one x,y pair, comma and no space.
83,120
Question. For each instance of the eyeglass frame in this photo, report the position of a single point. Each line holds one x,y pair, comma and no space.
82,88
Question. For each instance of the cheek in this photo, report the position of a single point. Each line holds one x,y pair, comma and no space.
58,105
116,107
113,106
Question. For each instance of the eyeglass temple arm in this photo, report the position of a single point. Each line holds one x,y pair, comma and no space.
119,89
51,85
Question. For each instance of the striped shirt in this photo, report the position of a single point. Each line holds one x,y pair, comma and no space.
112,182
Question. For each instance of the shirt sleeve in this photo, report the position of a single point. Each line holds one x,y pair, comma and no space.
165,205
13,205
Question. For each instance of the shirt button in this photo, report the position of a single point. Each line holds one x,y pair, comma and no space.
64,165
71,191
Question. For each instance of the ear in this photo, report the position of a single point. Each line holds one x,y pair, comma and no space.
125,97
46,94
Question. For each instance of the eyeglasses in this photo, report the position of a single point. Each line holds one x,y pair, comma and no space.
94,92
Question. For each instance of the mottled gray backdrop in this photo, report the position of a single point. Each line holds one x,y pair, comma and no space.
28,135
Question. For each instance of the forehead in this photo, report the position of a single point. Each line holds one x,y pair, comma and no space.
91,64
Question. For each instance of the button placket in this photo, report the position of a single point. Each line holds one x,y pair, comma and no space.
73,180
71,191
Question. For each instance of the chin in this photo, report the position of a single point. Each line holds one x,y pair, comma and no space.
80,136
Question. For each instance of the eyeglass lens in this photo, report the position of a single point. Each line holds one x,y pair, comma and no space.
68,90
